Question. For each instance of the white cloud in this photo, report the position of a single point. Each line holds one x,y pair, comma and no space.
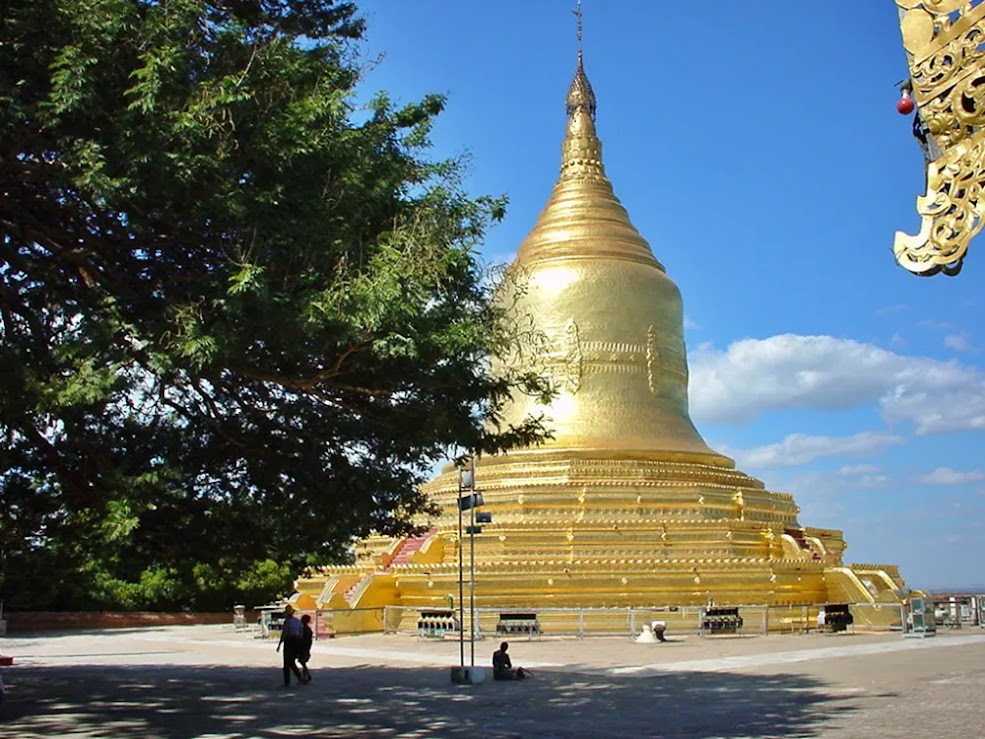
872,481
691,323
947,476
754,376
799,449
825,498
858,469
958,342
889,310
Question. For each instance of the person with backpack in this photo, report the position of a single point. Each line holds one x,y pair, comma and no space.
290,639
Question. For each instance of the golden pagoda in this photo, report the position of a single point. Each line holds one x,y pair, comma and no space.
626,506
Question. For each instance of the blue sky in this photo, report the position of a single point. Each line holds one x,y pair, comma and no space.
758,149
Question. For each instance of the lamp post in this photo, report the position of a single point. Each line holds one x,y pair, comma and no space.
474,502
465,479
469,502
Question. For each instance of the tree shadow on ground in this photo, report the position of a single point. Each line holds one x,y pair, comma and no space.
183,701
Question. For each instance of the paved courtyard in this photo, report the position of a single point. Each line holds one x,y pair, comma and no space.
211,681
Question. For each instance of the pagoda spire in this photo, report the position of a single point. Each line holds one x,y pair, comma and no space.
580,94
583,217
581,152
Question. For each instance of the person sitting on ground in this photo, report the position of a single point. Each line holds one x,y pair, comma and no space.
503,666
307,637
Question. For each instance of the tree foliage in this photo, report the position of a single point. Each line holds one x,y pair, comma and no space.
240,310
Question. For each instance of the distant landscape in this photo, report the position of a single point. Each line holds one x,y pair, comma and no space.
953,588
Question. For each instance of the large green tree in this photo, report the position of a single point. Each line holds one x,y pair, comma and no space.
240,310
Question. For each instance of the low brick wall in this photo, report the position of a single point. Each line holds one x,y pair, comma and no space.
25,621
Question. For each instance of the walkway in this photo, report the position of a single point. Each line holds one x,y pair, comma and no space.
214,682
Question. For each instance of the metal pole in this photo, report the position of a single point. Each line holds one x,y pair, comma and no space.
472,565
461,579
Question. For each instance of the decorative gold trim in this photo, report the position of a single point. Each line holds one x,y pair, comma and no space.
943,40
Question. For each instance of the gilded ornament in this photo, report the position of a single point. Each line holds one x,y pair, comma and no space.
652,360
943,40
572,357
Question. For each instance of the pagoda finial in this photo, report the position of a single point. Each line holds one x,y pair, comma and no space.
578,16
580,94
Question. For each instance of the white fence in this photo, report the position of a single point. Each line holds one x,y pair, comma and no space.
582,622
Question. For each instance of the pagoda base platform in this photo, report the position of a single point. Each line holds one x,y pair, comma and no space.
557,591
580,529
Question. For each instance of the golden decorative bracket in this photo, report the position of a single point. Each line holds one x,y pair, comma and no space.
944,42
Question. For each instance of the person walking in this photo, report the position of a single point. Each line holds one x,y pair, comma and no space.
307,637
290,639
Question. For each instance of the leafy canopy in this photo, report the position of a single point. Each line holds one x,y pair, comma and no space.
240,312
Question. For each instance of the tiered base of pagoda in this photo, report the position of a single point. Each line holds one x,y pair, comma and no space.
580,530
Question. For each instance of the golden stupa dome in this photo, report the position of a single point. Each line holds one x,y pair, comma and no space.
610,321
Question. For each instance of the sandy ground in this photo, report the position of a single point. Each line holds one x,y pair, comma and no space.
212,681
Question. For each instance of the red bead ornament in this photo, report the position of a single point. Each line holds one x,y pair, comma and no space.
905,105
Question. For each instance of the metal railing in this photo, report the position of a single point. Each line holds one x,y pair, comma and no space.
582,622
